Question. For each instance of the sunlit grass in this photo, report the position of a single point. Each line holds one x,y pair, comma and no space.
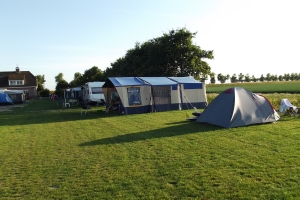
258,87
49,152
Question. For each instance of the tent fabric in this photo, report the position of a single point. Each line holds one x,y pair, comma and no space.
5,99
238,107
164,93
122,81
154,94
285,104
158,81
192,92
17,96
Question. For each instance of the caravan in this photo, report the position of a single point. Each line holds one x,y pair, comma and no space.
92,92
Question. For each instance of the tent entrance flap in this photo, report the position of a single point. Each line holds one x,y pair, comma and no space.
162,97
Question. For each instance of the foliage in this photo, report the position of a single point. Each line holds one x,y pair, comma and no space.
60,86
222,78
212,78
49,152
247,78
45,93
172,54
59,77
90,75
233,78
41,81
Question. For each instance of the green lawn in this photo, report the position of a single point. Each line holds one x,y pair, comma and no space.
48,152
259,87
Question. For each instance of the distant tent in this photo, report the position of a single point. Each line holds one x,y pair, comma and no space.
238,107
5,99
285,104
17,96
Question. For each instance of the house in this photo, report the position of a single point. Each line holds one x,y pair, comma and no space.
19,80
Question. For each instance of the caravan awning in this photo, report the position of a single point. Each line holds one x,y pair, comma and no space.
122,81
158,81
187,79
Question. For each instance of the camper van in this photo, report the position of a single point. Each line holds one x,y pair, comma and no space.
92,91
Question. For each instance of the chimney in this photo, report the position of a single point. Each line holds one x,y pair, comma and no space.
17,69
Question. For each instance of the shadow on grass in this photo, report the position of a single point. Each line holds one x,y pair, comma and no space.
180,128
19,117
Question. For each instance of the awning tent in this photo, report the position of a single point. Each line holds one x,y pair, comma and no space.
192,92
133,93
164,93
154,94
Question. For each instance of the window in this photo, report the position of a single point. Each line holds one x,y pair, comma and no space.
134,96
115,98
97,90
16,82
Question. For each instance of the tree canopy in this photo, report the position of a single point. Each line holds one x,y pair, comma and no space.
172,54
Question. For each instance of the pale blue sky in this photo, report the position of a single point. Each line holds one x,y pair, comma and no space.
52,36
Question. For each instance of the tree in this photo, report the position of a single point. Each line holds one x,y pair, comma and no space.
253,78
286,77
93,74
233,78
45,93
222,78
247,78
212,78
172,54
41,80
268,77
262,78
294,76
60,86
274,77
203,77
241,77
89,75
59,78
77,81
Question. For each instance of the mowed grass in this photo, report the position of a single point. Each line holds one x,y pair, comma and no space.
258,87
48,152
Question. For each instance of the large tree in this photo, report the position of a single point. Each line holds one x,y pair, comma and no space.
59,77
89,75
60,86
172,54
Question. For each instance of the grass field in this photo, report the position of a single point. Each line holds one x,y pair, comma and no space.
48,152
259,87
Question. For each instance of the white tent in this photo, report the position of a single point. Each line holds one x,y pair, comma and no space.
285,104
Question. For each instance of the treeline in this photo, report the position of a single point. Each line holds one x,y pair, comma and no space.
172,54
247,78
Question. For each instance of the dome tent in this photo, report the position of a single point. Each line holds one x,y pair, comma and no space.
236,107
5,99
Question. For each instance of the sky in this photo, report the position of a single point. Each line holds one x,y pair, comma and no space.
49,37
